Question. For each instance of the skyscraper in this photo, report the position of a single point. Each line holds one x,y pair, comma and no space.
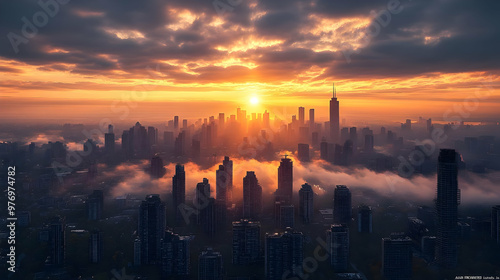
109,141
221,182
324,149
208,217
210,265
303,152
151,228
368,143
175,256
222,120
342,205
306,208
365,219
447,209
202,197
301,116
285,180
94,205
252,196
312,124
283,253
95,246
157,170
334,117
178,191
338,246
228,170
287,216
152,135
246,242
176,123
396,257
57,242
495,223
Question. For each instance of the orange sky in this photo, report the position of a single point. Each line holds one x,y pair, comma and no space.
195,63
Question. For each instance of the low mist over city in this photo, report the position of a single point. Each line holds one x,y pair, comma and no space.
248,140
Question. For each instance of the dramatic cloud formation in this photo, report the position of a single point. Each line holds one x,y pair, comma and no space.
387,51
474,188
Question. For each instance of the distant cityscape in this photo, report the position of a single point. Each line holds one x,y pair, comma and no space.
72,224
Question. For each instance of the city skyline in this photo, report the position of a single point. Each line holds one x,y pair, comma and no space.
248,140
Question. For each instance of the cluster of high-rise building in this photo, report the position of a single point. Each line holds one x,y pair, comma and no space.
272,232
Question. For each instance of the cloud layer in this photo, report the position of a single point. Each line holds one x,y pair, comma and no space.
474,189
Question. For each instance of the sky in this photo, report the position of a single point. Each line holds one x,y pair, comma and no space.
390,60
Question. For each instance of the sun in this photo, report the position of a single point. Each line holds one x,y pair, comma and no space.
254,100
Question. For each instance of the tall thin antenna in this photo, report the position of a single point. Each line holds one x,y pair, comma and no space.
334,91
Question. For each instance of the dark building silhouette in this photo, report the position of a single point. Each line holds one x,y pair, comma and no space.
344,134
152,135
179,191
208,217
334,117
447,209
407,125
220,216
176,123
303,152
90,147
342,212
175,256
210,265
221,182
285,180
312,124
306,208
347,153
369,141
283,253
140,141
222,120
302,116
323,149
109,141
151,228
353,135
246,242
95,246
157,170
196,149
277,212
202,198
94,205
287,216
365,219
179,145
56,242
495,223
338,246
228,170
396,257
252,196
315,139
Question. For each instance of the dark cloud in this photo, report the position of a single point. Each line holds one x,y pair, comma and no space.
99,37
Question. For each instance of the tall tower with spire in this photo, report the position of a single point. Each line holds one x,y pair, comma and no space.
334,117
